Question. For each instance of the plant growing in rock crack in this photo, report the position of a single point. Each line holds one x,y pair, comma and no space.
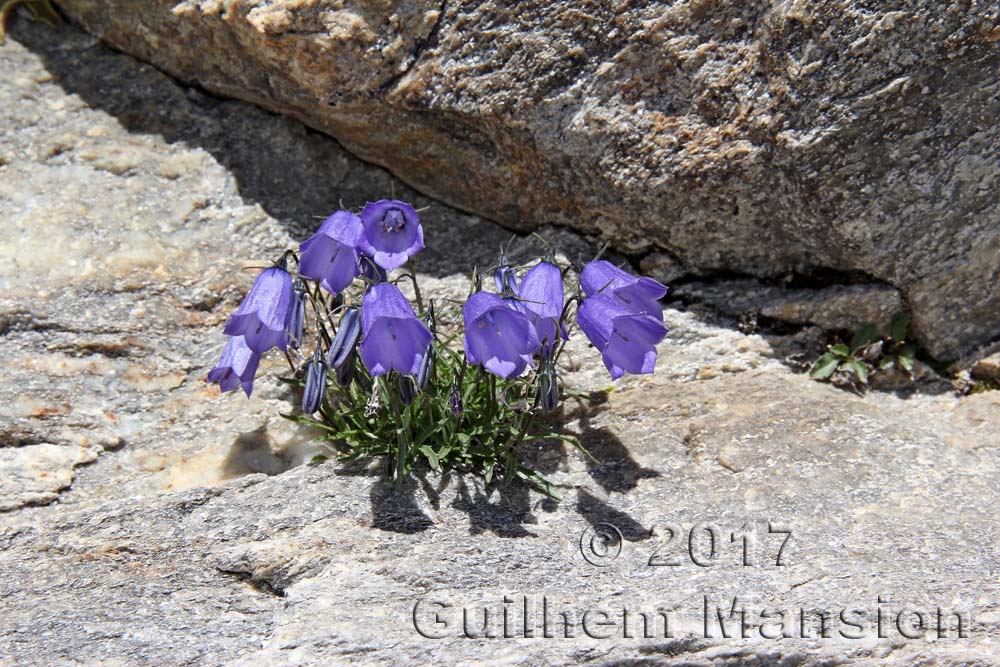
867,354
380,378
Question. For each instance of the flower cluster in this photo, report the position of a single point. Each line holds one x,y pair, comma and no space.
362,380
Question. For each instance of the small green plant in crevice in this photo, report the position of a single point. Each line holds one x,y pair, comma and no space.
40,10
868,353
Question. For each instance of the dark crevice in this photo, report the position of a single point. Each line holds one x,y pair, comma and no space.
257,583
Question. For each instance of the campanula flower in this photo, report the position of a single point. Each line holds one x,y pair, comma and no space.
541,295
391,233
262,318
312,396
641,293
497,336
394,338
625,336
331,255
346,338
236,367
297,318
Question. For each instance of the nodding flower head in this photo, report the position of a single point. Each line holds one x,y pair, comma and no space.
640,293
541,296
393,337
262,318
236,367
625,336
497,336
391,233
331,255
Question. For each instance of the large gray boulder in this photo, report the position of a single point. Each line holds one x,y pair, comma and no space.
845,142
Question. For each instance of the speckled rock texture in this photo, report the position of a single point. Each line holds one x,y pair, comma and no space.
848,139
147,520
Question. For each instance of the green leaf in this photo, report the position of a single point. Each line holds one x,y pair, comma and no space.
906,361
866,335
900,324
841,350
824,367
859,368
432,457
887,363
316,460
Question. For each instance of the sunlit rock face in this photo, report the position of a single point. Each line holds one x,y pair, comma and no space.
764,138
145,519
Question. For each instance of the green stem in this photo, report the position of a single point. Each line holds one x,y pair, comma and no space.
416,287
402,437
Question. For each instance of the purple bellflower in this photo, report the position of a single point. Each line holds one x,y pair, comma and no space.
236,367
330,255
541,296
641,293
393,337
625,336
391,233
262,318
497,336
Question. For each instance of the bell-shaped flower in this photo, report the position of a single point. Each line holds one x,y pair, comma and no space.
541,296
262,318
236,367
331,255
641,293
497,336
625,336
312,395
391,232
394,338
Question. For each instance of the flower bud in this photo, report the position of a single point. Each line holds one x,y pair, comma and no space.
312,397
456,401
371,271
344,374
297,315
549,387
505,277
407,392
346,338
426,367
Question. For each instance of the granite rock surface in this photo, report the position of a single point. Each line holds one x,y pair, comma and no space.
147,520
846,140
